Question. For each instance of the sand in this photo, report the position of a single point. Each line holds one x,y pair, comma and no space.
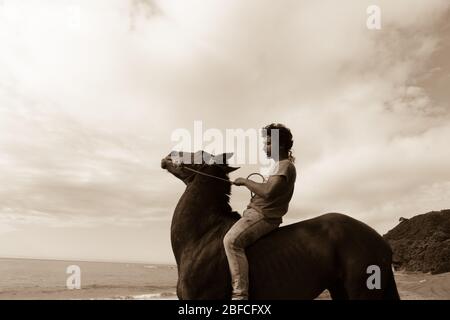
411,286
418,286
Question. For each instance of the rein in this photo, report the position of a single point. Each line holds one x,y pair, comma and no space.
208,175
219,178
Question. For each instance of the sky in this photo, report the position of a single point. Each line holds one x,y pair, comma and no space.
91,92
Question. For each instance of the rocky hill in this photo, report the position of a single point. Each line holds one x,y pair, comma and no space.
422,243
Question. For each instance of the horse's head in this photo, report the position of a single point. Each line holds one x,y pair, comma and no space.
178,163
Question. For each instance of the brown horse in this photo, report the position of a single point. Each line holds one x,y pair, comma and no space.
298,261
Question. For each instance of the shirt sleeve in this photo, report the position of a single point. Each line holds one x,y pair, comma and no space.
283,169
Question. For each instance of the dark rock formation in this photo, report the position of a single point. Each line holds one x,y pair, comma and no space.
422,243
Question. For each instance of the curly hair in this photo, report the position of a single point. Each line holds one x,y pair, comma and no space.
286,140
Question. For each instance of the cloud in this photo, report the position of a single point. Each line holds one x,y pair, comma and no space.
86,113
58,167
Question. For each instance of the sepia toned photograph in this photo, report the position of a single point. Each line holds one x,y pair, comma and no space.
224,150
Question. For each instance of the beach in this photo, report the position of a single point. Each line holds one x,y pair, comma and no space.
423,286
46,279
32,279
417,286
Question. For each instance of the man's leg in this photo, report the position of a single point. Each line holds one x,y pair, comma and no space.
244,232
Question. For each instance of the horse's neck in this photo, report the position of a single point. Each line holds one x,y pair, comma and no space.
198,211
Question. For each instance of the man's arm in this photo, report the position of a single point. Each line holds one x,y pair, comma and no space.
271,188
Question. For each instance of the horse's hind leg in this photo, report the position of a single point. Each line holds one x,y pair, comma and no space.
390,291
356,288
338,292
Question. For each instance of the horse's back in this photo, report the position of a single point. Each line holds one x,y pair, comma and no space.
331,228
310,255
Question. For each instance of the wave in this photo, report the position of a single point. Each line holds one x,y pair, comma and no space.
150,296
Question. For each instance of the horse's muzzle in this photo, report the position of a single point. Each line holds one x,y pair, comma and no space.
164,163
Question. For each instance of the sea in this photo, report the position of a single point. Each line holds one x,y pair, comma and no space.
31,279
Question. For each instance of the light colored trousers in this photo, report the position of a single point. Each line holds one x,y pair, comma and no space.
243,233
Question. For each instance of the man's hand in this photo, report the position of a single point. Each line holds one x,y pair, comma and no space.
240,182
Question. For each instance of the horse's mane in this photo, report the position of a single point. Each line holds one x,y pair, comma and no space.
220,189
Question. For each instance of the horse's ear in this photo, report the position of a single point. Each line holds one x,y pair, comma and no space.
207,157
201,156
223,158
229,169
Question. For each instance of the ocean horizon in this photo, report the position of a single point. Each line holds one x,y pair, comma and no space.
31,278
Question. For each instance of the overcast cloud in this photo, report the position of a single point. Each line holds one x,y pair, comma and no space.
87,111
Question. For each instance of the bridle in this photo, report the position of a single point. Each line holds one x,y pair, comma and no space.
218,178
204,174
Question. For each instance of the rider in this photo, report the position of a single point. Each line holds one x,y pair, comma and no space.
265,210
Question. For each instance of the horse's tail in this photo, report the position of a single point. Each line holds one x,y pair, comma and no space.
391,292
